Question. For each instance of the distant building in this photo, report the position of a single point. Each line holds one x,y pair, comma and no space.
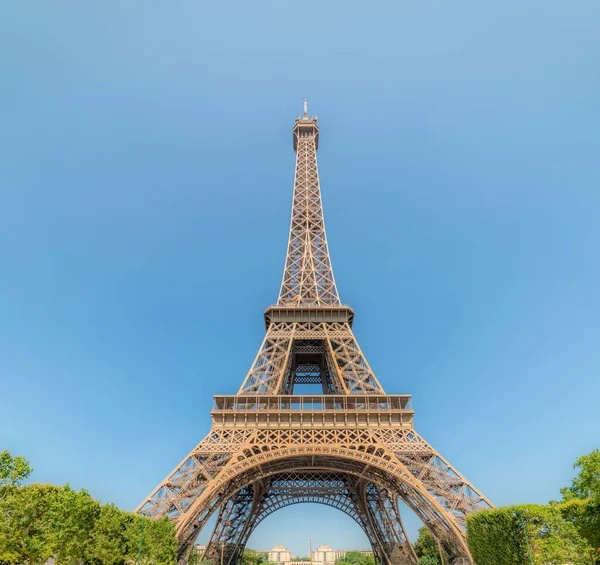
323,555
279,554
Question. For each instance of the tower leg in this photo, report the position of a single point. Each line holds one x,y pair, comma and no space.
228,538
383,515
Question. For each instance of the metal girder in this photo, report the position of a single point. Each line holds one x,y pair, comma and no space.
384,519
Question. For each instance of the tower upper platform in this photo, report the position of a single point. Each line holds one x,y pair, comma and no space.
306,127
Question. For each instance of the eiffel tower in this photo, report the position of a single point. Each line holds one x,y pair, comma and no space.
353,447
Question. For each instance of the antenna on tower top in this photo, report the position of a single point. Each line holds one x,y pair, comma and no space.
305,108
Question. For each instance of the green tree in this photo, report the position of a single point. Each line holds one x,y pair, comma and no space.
426,548
72,516
581,501
159,544
13,470
196,559
163,542
355,558
42,521
429,559
250,557
108,544
24,529
253,557
586,485
584,515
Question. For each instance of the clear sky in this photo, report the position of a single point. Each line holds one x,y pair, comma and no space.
146,170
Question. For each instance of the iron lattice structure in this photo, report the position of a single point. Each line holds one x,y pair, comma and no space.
353,447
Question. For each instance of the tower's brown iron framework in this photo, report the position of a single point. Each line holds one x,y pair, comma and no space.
352,447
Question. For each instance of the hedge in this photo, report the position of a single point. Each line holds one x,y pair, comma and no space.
520,535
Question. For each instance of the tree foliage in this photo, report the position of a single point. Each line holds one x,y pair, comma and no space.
585,517
586,485
252,557
42,521
581,501
13,470
506,536
426,548
25,533
566,532
355,558
159,540
196,559
429,559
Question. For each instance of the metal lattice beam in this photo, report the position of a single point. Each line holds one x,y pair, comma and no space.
308,277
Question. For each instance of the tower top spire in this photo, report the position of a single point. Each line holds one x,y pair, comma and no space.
305,108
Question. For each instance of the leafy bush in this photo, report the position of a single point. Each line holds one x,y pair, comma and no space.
426,548
496,537
507,536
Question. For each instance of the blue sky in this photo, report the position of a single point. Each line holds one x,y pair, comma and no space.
146,170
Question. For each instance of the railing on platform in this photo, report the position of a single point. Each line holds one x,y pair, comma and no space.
313,403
